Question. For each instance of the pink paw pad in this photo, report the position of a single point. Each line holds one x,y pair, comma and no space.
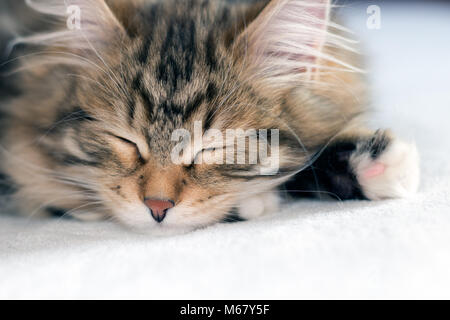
374,171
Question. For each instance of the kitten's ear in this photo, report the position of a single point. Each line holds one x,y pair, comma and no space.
82,25
286,42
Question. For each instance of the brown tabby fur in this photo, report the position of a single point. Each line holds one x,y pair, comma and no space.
165,65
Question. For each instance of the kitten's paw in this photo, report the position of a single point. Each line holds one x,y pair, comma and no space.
258,205
386,167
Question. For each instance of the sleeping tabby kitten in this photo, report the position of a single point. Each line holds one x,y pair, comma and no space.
88,130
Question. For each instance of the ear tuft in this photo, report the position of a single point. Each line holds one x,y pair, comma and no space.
291,41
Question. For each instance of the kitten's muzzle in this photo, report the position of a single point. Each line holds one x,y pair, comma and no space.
158,208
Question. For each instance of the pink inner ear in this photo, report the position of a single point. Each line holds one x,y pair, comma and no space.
288,37
320,10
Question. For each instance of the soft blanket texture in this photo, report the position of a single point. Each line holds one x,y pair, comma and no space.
312,249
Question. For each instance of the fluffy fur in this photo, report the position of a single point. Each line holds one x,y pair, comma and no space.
89,134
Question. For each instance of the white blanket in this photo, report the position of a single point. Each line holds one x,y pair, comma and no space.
311,249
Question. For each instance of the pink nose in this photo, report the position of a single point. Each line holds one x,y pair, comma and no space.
158,208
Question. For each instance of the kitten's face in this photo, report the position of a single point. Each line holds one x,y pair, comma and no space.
147,69
127,141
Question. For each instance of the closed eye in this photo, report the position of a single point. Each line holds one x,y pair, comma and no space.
132,144
205,151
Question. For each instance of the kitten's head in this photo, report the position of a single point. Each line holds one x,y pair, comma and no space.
151,74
